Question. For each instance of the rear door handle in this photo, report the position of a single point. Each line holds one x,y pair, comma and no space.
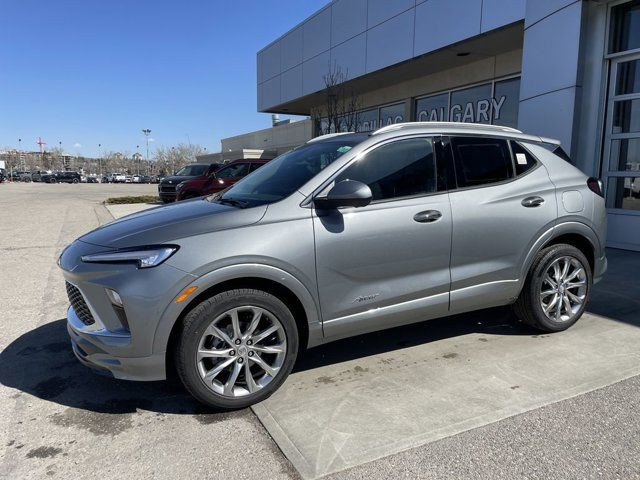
427,216
531,202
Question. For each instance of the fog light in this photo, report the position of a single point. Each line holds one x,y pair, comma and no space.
114,297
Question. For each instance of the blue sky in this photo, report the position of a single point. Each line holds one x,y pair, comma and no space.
86,72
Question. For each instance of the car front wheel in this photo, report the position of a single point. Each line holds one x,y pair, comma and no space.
556,290
236,348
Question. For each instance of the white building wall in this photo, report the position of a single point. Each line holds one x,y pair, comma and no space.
362,36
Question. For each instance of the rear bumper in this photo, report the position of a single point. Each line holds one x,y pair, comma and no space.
93,347
599,268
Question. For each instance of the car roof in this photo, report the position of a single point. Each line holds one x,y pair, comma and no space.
441,128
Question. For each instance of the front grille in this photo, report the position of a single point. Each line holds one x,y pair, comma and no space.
168,188
79,305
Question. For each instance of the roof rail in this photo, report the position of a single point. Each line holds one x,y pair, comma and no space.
328,135
457,125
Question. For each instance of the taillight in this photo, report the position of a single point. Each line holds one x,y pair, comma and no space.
595,186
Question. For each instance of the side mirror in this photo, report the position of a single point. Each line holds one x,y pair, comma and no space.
347,193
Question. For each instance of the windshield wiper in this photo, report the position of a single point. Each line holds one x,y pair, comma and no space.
231,201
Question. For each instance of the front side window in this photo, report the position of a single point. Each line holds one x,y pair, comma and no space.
481,161
399,169
237,170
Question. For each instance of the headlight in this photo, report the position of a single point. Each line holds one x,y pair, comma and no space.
143,257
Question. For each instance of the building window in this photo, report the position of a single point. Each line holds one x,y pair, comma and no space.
471,105
433,109
495,103
367,120
392,114
505,103
625,27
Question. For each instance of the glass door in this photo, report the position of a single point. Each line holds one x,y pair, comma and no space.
622,153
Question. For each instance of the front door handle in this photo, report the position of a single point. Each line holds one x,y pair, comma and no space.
531,202
427,216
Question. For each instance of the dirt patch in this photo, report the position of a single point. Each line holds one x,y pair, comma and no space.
43,452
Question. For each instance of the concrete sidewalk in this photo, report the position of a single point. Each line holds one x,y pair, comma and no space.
379,394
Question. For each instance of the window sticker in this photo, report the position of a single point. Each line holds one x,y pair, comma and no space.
521,158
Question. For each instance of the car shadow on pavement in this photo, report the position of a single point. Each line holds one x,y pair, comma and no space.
41,363
493,321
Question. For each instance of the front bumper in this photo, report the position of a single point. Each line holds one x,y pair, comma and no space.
119,340
92,348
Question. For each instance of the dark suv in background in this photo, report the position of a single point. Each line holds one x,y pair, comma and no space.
167,187
217,181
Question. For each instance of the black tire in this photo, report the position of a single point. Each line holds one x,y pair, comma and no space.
75,180
52,180
528,306
197,321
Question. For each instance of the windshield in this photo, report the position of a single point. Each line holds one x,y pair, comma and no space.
192,171
281,177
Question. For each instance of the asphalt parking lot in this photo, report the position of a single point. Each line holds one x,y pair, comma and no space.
493,400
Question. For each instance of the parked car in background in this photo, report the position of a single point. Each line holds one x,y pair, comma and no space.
167,187
25,177
118,178
344,235
3,175
92,179
218,180
37,175
49,177
67,177
145,179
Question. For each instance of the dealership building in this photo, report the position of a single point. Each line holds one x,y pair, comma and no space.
567,69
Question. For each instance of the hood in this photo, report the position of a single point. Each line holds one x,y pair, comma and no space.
171,222
176,179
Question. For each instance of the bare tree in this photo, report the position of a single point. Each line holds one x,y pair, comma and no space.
170,159
339,113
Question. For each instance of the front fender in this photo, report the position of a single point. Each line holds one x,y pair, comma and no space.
234,272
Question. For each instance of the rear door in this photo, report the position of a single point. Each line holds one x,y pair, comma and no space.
387,263
503,204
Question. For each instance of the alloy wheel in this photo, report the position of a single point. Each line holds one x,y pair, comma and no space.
564,289
241,351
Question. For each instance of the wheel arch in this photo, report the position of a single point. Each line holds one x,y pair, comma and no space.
271,279
577,234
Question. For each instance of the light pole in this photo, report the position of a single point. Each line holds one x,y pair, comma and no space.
147,132
20,154
100,160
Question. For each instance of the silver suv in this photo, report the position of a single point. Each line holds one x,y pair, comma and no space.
347,234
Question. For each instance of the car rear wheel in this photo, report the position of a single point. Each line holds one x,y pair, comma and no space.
75,180
52,180
236,348
556,290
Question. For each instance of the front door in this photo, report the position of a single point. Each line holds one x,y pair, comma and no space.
387,263
621,164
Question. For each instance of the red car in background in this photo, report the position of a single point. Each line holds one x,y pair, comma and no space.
226,176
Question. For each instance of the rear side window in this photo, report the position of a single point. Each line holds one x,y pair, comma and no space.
524,161
481,161
399,169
